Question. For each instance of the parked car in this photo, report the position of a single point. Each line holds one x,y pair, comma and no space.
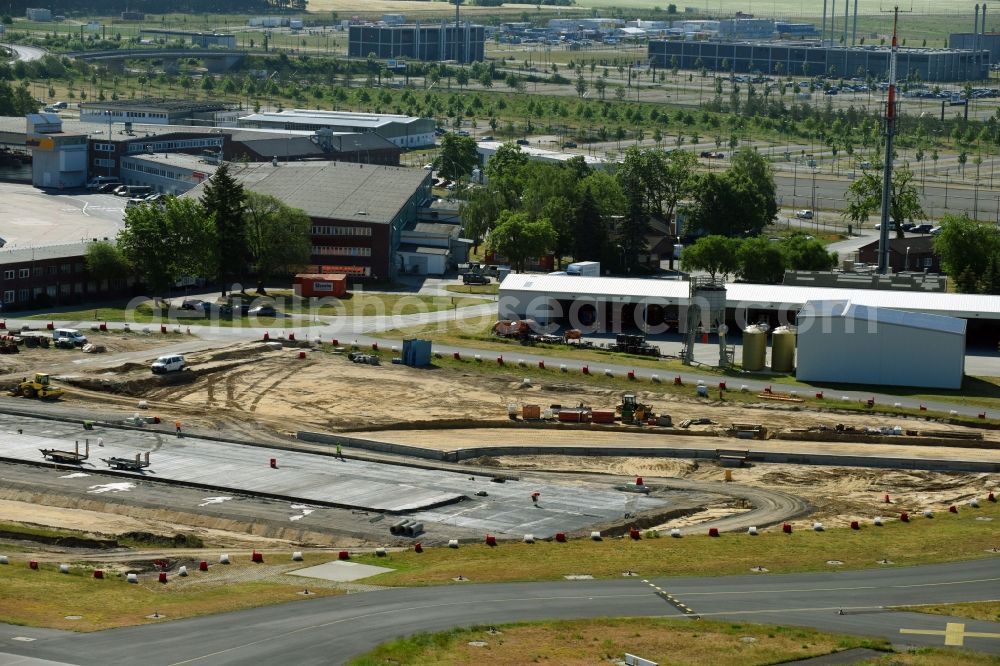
98,182
109,188
71,334
892,226
475,278
121,191
569,144
165,364
908,226
921,228
263,311
522,142
804,214
935,231
133,202
192,304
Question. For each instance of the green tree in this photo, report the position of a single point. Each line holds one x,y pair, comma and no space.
716,255
753,179
165,243
807,254
760,261
223,199
277,235
518,239
864,198
458,156
105,261
968,251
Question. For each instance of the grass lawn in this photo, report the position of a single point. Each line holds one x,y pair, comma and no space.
492,288
946,537
606,640
145,315
103,604
988,611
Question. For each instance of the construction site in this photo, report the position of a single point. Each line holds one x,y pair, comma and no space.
292,442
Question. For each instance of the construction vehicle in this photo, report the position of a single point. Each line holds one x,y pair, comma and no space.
633,411
634,344
128,464
73,457
38,386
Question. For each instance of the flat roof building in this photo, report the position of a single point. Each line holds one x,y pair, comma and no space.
202,39
429,42
37,277
166,173
159,111
404,131
486,150
811,60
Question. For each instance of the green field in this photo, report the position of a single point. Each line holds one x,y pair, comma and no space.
946,537
604,640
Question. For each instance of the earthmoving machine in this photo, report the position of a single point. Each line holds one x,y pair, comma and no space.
128,464
38,386
633,411
73,457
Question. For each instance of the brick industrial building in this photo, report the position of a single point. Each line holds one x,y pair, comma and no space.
358,211
53,275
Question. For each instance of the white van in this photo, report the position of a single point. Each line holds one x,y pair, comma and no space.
172,363
78,338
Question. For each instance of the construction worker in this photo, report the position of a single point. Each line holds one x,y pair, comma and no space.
177,425
340,452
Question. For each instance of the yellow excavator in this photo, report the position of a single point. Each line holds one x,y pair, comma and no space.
38,386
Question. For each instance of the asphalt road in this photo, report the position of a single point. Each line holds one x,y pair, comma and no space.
332,630
795,190
27,53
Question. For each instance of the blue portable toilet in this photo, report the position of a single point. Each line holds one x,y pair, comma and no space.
416,353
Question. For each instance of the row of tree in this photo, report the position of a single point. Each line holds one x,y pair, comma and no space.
598,216
757,259
229,233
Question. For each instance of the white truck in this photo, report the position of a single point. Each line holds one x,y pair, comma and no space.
584,268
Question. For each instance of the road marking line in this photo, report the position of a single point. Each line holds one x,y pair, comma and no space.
954,633
846,589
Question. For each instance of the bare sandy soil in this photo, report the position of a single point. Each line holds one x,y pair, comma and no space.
250,389
838,494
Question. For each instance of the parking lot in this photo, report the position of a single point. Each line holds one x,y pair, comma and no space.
33,217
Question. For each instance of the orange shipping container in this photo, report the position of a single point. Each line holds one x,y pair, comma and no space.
603,416
318,285
531,412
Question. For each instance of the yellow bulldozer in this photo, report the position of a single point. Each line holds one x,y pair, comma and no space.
38,386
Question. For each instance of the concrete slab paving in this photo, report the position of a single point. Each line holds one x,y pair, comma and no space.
339,571
434,497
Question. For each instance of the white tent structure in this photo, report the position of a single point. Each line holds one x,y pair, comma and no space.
842,341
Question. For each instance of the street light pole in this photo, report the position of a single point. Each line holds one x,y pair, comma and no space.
906,265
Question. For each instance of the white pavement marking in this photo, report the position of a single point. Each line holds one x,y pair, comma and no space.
121,487
214,500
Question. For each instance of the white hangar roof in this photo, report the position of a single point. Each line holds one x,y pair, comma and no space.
738,295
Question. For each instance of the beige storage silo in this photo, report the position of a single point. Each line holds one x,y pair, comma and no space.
783,349
754,348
